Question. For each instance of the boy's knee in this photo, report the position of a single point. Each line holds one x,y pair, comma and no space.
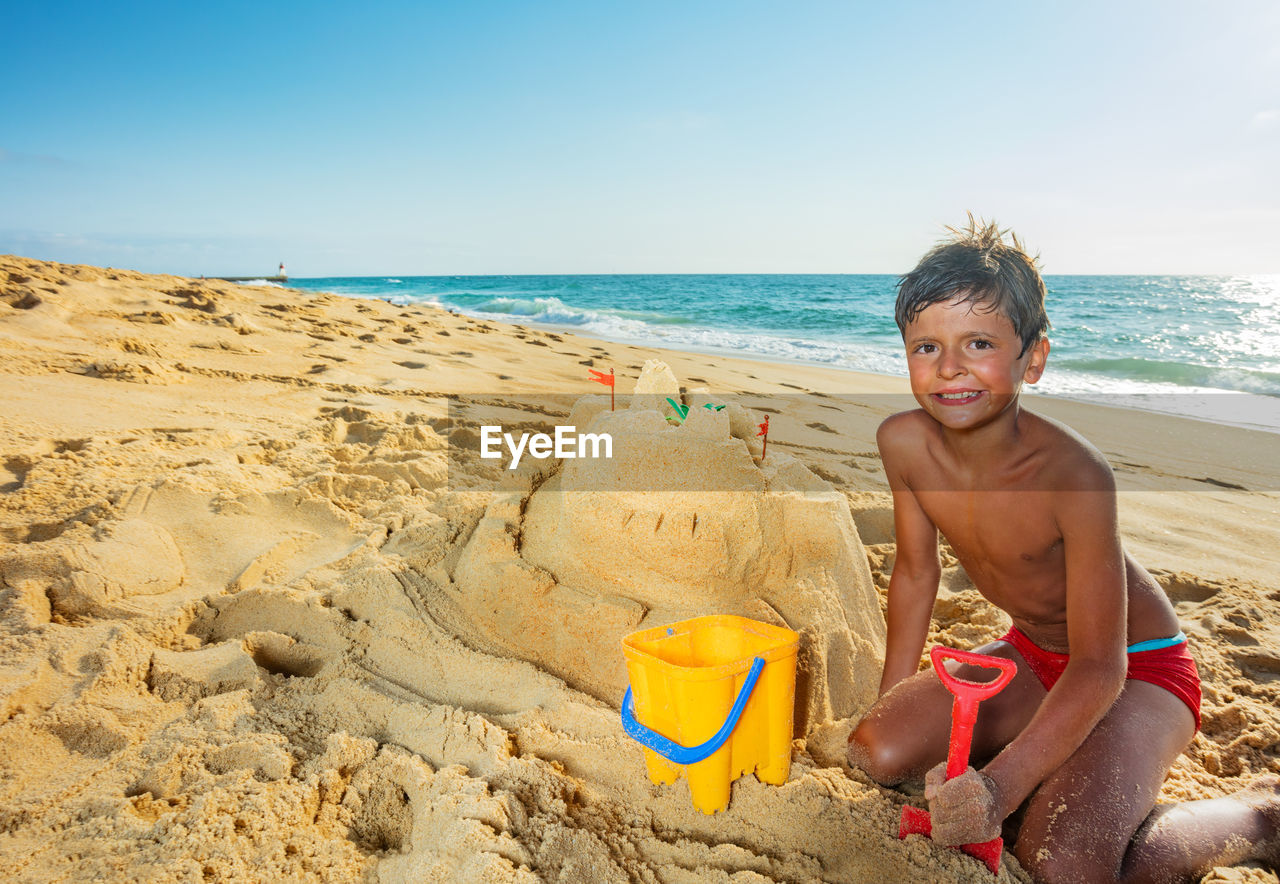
881,759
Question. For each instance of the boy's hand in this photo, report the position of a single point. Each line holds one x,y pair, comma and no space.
962,810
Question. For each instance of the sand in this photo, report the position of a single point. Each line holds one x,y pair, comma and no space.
267,615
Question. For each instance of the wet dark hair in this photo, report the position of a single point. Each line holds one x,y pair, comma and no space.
976,265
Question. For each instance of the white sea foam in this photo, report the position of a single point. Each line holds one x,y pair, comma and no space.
553,311
621,326
416,301
1238,408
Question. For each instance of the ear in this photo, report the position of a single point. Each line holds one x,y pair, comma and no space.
1038,355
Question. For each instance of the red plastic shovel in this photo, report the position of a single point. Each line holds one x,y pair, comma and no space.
964,712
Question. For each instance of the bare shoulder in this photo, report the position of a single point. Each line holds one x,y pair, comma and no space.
1073,463
900,433
903,442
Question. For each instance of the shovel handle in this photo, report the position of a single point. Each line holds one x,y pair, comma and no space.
964,713
962,687
968,694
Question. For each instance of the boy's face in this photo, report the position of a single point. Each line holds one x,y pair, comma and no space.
964,362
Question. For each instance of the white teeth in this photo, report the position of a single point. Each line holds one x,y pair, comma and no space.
956,395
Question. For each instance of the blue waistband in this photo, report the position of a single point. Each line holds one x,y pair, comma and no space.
1156,644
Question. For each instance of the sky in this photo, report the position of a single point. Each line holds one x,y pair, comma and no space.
688,137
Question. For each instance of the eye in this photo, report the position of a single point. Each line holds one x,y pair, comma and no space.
924,348
982,344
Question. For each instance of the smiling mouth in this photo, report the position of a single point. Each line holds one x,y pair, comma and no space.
960,398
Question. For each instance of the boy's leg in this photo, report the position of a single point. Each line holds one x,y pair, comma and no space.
1198,835
907,730
1079,824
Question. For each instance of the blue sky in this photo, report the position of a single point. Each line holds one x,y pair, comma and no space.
484,137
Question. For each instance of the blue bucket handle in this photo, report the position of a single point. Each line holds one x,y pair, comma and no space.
672,750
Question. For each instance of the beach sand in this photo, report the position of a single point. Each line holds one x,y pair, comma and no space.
268,616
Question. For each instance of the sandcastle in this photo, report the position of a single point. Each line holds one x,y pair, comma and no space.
683,520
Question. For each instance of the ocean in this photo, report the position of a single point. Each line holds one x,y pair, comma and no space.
1199,346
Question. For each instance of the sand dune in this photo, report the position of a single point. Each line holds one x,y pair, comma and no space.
268,616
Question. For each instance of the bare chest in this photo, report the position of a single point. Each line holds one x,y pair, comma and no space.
1007,541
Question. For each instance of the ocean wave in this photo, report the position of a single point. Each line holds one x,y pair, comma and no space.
1238,408
677,333
837,354
406,299
553,311
1181,374
657,318
411,300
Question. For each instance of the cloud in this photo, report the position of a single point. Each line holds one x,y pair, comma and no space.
1265,119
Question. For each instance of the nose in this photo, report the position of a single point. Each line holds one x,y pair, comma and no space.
950,364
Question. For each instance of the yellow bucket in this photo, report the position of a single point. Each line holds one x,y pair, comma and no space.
714,696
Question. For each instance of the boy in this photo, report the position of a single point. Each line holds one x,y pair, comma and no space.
1072,753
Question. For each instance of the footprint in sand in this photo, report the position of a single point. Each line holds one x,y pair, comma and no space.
133,372
1182,588
20,298
1209,480
194,299
17,468
1258,660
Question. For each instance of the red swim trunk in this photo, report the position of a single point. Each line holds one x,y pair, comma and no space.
1170,668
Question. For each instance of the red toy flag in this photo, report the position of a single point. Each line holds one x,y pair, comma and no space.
764,431
607,379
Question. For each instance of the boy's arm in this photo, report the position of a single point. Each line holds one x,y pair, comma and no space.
1096,628
913,585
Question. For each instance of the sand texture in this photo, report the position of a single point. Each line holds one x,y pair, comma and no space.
266,615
